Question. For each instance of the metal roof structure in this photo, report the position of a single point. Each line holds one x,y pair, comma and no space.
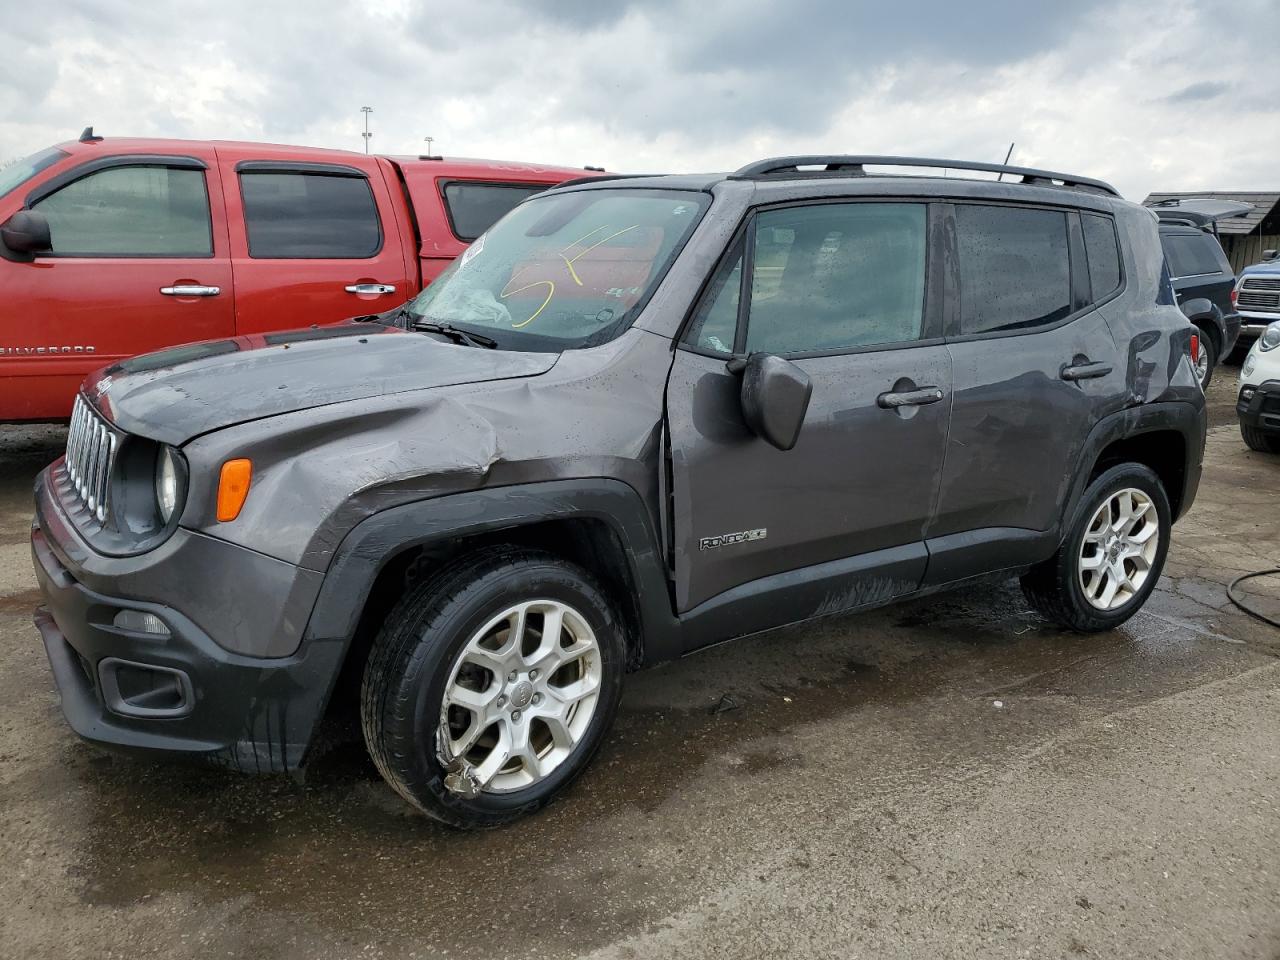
1266,209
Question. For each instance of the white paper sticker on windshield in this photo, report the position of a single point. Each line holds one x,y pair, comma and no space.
476,246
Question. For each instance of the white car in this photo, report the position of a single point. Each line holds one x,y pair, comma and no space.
1259,403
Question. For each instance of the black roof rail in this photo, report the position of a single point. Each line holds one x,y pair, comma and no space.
853,166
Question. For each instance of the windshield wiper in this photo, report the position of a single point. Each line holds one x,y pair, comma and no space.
456,334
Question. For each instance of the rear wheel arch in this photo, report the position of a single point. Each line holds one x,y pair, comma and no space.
1163,451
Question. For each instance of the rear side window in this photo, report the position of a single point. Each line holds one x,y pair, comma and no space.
1191,254
1015,271
1102,253
143,211
309,216
475,207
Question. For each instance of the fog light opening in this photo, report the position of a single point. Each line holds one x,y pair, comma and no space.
145,690
139,621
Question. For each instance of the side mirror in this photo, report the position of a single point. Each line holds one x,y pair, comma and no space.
1270,254
775,397
27,231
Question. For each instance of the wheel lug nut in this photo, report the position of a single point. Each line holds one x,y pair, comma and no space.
537,698
511,677
533,674
502,701
516,716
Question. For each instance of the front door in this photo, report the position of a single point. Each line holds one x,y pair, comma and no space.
839,289
139,261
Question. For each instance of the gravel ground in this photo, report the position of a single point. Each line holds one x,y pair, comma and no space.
945,778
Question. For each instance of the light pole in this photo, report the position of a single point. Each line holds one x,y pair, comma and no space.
366,111
429,141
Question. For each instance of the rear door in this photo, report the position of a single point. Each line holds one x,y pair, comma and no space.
839,289
140,261
1035,367
311,243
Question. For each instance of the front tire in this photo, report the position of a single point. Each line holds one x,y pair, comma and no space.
1259,440
492,684
1112,556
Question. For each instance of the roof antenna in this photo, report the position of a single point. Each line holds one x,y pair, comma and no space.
87,136
1006,161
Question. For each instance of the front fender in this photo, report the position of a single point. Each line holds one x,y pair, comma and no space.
373,542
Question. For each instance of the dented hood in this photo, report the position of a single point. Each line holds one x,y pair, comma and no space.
178,394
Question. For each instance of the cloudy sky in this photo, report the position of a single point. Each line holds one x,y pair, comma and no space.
1149,94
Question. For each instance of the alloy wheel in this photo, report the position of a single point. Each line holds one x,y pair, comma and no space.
1119,549
521,695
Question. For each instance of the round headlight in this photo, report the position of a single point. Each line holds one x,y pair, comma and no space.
1270,338
166,483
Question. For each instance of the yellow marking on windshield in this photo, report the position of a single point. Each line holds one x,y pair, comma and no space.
569,263
529,286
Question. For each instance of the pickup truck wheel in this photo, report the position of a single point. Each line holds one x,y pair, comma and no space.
1260,441
1207,360
1112,556
491,686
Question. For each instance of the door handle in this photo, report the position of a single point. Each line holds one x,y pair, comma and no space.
909,398
191,290
370,288
1085,371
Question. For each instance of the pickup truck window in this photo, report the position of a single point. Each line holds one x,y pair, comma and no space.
19,173
473,207
563,270
308,216
142,211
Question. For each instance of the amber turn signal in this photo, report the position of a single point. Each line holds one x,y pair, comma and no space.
233,488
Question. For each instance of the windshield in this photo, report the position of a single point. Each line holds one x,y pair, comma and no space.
565,270
20,172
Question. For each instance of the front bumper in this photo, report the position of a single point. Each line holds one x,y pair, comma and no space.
1259,406
183,693
1254,323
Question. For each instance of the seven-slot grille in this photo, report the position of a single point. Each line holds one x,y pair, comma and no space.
1259,293
91,451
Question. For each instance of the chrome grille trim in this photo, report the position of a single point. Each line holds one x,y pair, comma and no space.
1261,283
91,453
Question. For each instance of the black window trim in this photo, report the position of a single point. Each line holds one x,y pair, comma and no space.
931,320
97,165
334,170
1074,265
442,183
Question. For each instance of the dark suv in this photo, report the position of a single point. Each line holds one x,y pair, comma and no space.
1203,281
637,417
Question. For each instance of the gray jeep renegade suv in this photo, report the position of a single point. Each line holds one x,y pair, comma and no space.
638,416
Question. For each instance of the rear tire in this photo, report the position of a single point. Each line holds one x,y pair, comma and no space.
1208,358
1256,439
468,656
1106,566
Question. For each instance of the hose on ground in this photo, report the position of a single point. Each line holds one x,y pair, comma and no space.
1231,595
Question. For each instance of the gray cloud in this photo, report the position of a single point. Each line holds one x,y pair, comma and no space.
1203,90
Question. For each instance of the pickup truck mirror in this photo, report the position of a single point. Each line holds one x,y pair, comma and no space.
1270,254
775,397
27,232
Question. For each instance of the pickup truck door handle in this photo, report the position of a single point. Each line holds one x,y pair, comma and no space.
909,398
371,288
191,290
1085,371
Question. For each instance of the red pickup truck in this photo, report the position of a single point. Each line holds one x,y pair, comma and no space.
113,247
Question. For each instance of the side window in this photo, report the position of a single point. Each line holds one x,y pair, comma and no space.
475,207
1015,271
1191,254
716,321
143,211
309,216
1102,253
837,276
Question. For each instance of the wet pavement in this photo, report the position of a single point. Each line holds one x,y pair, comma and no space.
948,777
